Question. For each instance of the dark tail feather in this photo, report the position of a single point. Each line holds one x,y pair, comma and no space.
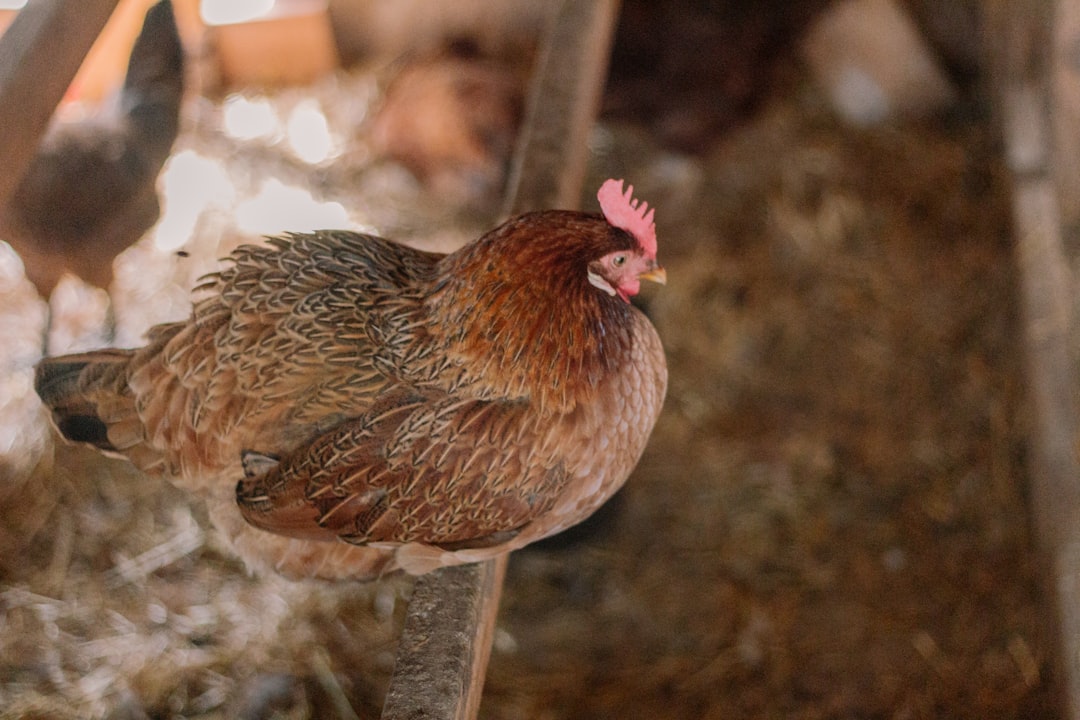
68,385
154,85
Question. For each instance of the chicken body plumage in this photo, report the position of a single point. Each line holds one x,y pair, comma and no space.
349,406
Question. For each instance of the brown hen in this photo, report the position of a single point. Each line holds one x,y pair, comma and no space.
349,406
90,191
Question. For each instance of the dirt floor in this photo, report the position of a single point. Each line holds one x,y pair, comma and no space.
830,520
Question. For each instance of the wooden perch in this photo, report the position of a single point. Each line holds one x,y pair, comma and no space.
446,642
39,55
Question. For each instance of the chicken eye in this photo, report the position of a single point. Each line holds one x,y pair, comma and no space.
618,260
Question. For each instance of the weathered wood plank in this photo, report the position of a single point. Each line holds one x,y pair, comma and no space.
1064,86
1038,111
549,166
1046,298
447,637
446,643
39,55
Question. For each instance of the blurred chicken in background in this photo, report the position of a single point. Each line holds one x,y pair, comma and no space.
451,117
91,190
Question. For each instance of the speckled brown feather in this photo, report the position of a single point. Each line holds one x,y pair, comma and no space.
384,408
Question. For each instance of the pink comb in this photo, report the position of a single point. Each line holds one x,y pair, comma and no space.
623,211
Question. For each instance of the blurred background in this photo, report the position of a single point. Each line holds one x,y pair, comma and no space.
832,518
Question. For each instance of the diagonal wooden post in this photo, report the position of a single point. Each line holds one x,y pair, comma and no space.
549,165
446,642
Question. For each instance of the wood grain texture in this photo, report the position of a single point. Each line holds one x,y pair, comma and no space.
446,643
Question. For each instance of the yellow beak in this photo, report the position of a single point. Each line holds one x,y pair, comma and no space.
656,275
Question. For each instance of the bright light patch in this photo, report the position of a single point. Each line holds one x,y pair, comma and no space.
279,208
246,119
12,4
190,183
309,134
226,12
11,266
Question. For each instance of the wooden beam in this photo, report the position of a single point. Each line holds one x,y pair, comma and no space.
1032,66
1046,300
1064,86
446,641
39,55
549,165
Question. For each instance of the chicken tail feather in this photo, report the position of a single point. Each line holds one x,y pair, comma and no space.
154,85
74,388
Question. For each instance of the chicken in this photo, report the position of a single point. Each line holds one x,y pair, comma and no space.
90,191
349,406
452,119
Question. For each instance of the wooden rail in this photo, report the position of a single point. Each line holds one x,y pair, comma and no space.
446,642
1034,57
